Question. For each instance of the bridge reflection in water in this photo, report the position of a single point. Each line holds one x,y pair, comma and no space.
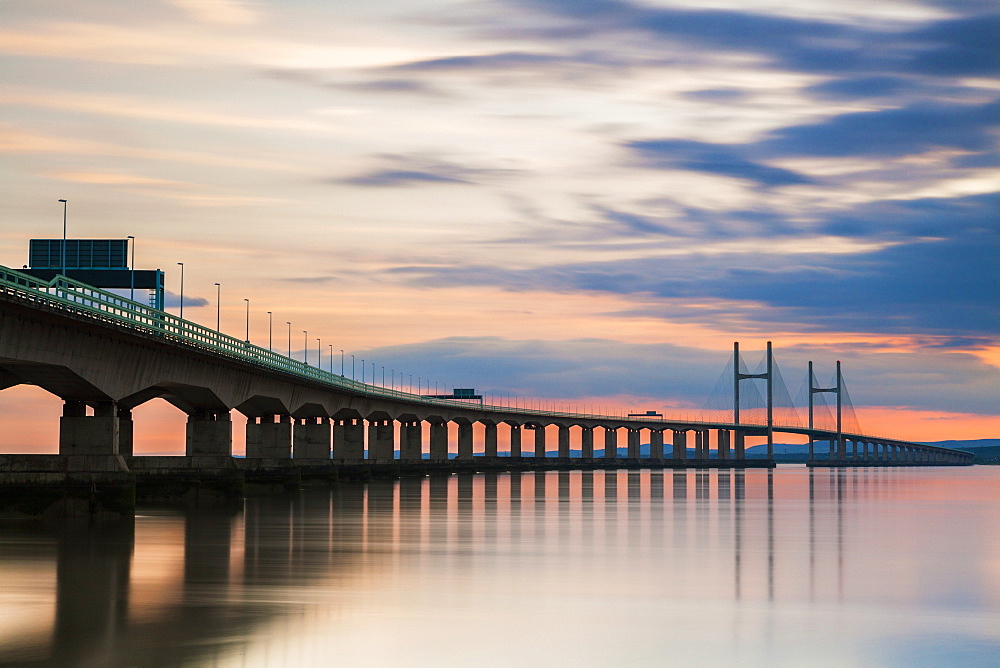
584,565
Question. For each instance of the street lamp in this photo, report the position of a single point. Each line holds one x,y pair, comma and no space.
131,294
218,306
181,265
270,331
305,347
62,250
352,368
362,371
319,355
248,320
331,359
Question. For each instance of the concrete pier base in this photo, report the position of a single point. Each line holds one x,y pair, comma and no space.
439,441
587,443
209,433
312,439
349,440
656,445
610,443
464,441
563,441
82,434
269,437
411,441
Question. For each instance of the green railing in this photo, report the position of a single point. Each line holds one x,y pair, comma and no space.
66,294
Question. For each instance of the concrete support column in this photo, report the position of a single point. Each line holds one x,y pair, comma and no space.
465,440
610,443
125,432
634,436
656,445
349,439
209,433
723,444
269,438
489,439
311,438
515,441
540,441
411,444
842,450
680,444
587,443
739,449
381,440
80,434
563,442
439,441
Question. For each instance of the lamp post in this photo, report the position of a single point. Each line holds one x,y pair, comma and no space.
383,373
319,355
62,250
270,331
305,347
131,293
248,320
342,364
181,265
331,359
218,306
289,339
362,371
352,368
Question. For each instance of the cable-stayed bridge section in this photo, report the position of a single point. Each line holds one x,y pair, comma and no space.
103,355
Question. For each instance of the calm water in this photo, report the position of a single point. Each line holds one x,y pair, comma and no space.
866,567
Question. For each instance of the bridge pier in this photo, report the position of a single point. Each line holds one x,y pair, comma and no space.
656,445
740,447
209,433
311,438
563,442
539,430
722,444
411,441
489,438
587,443
610,443
125,432
634,436
269,438
381,440
349,439
82,434
515,440
439,441
680,445
465,440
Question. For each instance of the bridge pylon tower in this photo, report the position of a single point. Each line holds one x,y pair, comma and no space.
838,390
768,375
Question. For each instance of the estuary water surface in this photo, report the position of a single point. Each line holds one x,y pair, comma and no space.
832,567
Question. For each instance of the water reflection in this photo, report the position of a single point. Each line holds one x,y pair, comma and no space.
593,567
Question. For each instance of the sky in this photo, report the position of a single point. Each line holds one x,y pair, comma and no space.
582,202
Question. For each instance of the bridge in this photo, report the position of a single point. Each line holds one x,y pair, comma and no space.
103,355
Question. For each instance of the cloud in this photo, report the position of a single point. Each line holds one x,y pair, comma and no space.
891,133
712,159
934,273
417,169
965,46
399,177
